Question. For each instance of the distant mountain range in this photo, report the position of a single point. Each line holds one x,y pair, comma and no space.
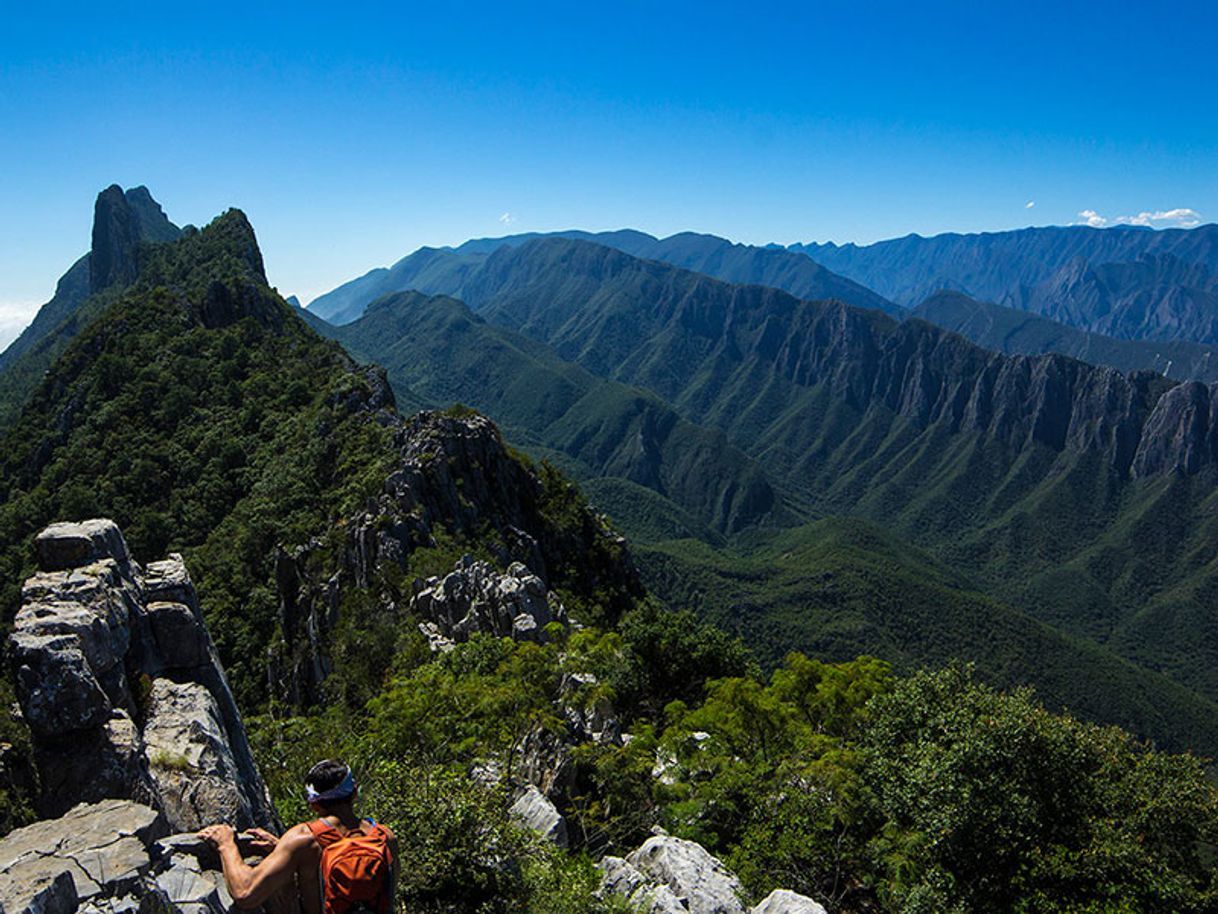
1014,331
1156,297
997,266
444,270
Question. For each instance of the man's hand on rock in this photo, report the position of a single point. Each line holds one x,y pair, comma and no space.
219,835
261,842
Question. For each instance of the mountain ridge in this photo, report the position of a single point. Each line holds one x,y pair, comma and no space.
1014,331
445,270
994,266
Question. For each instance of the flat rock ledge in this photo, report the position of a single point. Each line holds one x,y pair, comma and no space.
115,857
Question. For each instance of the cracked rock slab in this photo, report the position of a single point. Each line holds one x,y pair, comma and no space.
99,849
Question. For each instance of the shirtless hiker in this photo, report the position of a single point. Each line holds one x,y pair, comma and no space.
339,863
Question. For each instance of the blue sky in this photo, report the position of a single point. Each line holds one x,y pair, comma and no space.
353,134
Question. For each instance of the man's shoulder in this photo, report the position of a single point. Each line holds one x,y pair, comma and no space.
301,834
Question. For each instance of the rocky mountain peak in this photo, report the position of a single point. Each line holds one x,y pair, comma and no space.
116,238
121,221
154,225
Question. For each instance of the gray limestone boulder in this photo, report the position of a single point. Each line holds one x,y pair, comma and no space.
534,811
94,851
191,876
56,686
168,581
112,857
668,875
69,643
784,901
93,765
620,877
179,638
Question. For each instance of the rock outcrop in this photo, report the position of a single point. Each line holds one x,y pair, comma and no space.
694,875
122,689
668,875
475,598
116,857
534,811
784,901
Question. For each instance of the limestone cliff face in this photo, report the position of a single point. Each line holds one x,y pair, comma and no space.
714,348
121,687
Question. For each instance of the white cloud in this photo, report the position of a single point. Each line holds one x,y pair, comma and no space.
1181,217
507,218
1029,204
14,317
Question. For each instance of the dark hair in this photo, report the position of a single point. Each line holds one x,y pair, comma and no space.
327,775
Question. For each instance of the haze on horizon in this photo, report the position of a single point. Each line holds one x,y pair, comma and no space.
354,136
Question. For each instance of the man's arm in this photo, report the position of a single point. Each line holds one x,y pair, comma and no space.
250,886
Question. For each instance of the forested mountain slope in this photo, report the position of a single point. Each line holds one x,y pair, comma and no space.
1017,332
436,347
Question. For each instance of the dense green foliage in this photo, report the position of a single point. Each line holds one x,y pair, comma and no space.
865,791
839,588
994,804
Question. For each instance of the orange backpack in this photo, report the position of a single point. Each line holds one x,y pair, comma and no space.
356,868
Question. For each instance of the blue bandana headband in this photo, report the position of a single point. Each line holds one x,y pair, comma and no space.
342,792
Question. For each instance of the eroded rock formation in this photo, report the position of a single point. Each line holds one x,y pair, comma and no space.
474,597
454,477
122,689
